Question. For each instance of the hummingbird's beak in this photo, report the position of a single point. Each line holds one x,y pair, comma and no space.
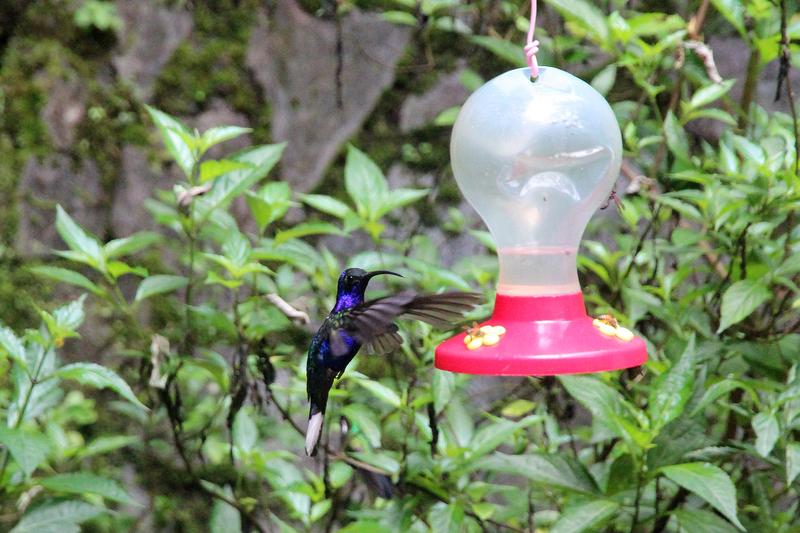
379,272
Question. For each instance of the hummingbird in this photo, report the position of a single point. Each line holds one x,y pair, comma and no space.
354,322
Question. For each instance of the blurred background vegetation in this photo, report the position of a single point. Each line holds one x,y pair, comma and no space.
206,168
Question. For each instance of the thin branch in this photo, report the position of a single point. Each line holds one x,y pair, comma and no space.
637,502
237,505
784,76
287,309
661,521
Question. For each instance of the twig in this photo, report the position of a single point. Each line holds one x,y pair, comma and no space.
286,308
786,68
706,54
637,502
175,422
531,512
237,505
661,521
697,20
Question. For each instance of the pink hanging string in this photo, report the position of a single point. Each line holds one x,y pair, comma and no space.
532,46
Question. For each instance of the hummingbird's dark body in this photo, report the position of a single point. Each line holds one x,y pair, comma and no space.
353,322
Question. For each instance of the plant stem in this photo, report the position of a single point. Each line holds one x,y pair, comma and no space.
638,500
750,82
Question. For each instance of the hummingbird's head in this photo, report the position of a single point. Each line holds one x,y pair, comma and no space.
353,281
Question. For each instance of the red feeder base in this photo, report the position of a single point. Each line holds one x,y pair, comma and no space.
545,336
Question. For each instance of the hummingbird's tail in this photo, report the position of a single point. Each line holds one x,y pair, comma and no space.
315,418
320,381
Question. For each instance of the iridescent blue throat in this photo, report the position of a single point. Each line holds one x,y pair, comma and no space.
347,300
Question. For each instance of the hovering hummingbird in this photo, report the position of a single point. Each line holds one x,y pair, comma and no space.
353,323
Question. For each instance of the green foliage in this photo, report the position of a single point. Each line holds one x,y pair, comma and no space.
99,14
701,262
28,451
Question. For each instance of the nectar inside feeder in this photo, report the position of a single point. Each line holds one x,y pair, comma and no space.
536,159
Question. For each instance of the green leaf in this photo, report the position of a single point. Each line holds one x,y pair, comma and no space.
710,483
508,51
102,445
87,483
767,432
792,461
717,390
245,432
586,16
380,391
492,435
77,239
225,518
672,390
29,450
548,470
444,384
260,160
319,509
362,420
682,207
101,15
484,510
399,198
712,113
676,137
604,80
307,228
131,244
364,526
399,17
740,300
99,377
340,473
460,422
733,11
67,276
68,318
159,284
749,150
327,204
118,269
175,136
364,182
602,401
237,249
447,117
213,169
518,408
708,94
13,346
270,203
56,517
447,517
380,459
700,520
485,238
221,134
585,516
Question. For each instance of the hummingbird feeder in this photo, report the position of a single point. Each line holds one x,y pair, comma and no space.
536,151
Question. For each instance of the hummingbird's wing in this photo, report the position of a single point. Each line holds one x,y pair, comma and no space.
385,342
372,322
